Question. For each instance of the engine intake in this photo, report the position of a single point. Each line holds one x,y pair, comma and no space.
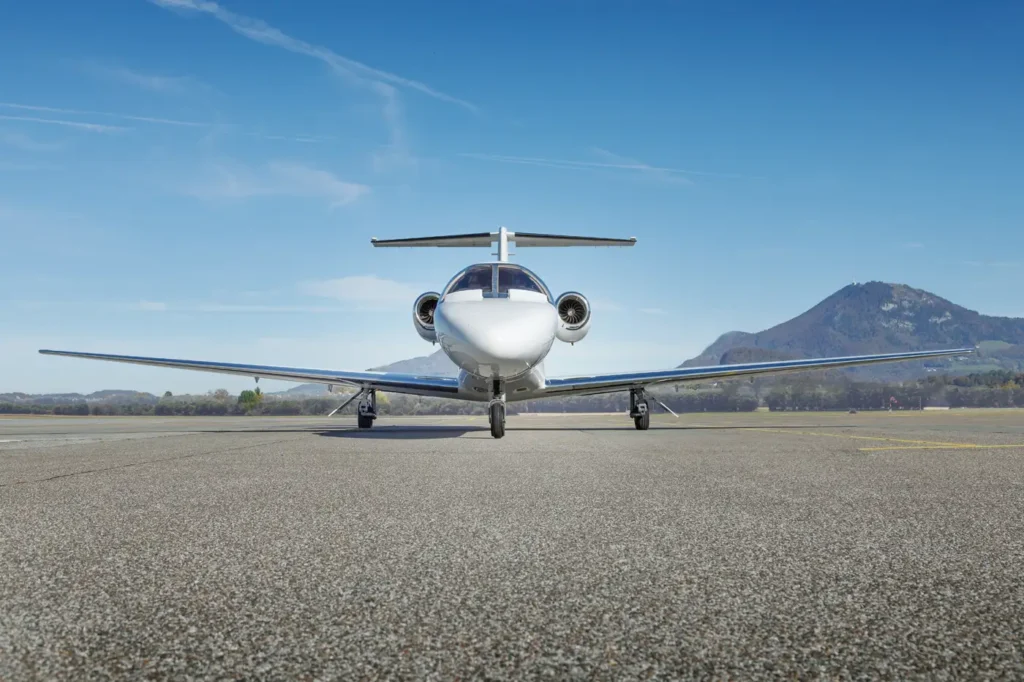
573,317
423,315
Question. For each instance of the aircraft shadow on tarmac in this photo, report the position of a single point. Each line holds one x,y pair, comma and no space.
425,432
402,432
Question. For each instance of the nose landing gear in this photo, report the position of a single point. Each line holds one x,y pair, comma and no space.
496,411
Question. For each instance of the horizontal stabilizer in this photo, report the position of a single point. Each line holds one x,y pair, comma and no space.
533,239
519,238
450,240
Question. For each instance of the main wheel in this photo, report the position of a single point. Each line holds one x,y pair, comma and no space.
643,422
364,421
497,420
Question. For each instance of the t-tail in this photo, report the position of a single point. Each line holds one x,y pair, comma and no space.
502,238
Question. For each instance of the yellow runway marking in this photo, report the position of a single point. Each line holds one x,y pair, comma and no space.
961,446
846,435
915,444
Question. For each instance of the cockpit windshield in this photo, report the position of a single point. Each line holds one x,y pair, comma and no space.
481,278
510,277
476,277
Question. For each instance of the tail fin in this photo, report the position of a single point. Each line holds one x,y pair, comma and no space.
503,237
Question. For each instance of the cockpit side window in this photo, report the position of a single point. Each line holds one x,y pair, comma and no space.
514,278
476,277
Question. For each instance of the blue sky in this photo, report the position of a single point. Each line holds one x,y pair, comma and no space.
196,179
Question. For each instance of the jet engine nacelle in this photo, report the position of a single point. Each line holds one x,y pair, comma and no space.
573,317
423,315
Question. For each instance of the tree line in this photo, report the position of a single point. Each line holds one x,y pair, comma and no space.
989,389
811,392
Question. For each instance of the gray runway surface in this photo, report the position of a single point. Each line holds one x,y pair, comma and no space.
721,546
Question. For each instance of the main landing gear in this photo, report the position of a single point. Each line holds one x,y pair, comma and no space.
366,411
638,409
496,411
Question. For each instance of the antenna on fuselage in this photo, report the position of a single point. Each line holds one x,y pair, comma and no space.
502,237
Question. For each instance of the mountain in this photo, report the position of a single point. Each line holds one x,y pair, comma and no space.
435,364
106,396
877,317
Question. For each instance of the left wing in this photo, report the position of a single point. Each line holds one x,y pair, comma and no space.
442,387
606,383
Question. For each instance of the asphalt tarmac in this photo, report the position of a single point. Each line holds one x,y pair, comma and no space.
831,546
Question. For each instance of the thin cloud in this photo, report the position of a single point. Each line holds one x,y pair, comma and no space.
78,125
603,305
156,120
106,114
278,178
25,143
994,264
169,85
162,307
396,154
663,174
612,162
365,289
234,308
261,32
913,245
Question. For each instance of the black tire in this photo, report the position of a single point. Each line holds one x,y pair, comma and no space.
642,422
364,421
497,420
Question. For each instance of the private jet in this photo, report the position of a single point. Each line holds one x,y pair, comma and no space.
497,321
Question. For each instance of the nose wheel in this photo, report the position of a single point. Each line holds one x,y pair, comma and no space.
497,417
496,411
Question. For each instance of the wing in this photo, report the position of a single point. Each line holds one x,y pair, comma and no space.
444,387
605,383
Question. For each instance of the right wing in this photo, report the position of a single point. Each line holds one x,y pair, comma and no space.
441,387
607,383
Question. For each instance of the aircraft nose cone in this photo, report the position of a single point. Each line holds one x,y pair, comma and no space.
496,337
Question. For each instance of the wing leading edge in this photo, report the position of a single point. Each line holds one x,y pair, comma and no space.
606,383
386,381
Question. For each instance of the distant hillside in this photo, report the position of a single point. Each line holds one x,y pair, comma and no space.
109,395
435,364
880,318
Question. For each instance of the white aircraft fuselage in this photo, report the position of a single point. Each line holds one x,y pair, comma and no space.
497,322
495,338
